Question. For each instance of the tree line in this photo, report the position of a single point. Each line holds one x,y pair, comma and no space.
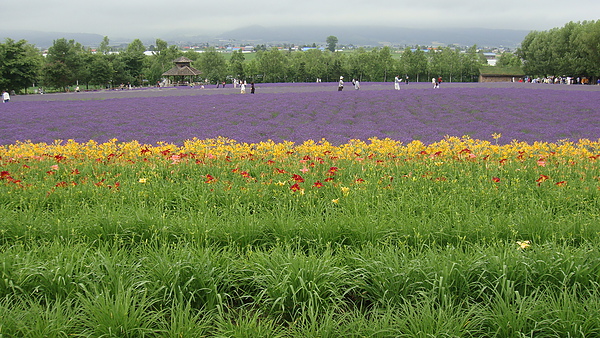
572,50
68,63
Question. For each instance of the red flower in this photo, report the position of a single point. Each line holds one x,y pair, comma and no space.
318,184
280,171
4,175
496,179
332,171
209,178
295,187
542,179
561,183
329,179
503,161
359,180
297,178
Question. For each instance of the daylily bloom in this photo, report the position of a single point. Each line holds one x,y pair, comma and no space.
297,178
496,179
143,180
542,179
318,184
524,244
295,187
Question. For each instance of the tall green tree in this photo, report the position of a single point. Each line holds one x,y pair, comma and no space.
508,59
100,70
104,47
133,62
414,63
572,50
236,65
471,62
160,61
272,65
331,43
213,65
64,64
20,64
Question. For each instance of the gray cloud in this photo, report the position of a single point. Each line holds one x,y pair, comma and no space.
152,18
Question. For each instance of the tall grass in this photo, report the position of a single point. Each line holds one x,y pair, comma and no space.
390,247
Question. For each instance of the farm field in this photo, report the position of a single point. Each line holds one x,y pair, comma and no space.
472,210
303,111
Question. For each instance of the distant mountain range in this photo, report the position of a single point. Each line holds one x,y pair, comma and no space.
299,35
378,35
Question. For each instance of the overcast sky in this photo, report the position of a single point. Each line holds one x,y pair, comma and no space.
154,18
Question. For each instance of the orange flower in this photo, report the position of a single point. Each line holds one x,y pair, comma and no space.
318,184
496,179
297,178
295,187
561,183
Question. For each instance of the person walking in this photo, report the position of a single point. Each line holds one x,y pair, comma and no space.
341,84
243,88
5,96
397,83
251,87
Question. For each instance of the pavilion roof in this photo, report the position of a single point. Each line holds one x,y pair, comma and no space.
182,71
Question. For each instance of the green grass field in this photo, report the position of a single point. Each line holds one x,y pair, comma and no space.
458,239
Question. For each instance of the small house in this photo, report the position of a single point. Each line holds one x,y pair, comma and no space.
500,74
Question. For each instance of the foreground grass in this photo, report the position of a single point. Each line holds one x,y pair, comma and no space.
459,238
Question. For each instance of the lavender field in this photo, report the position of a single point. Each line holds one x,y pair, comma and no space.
298,112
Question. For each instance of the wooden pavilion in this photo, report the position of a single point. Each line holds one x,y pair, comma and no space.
183,72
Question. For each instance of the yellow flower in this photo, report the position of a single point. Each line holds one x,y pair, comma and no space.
336,201
524,244
142,180
345,190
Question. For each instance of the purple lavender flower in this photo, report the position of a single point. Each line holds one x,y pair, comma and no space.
302,111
